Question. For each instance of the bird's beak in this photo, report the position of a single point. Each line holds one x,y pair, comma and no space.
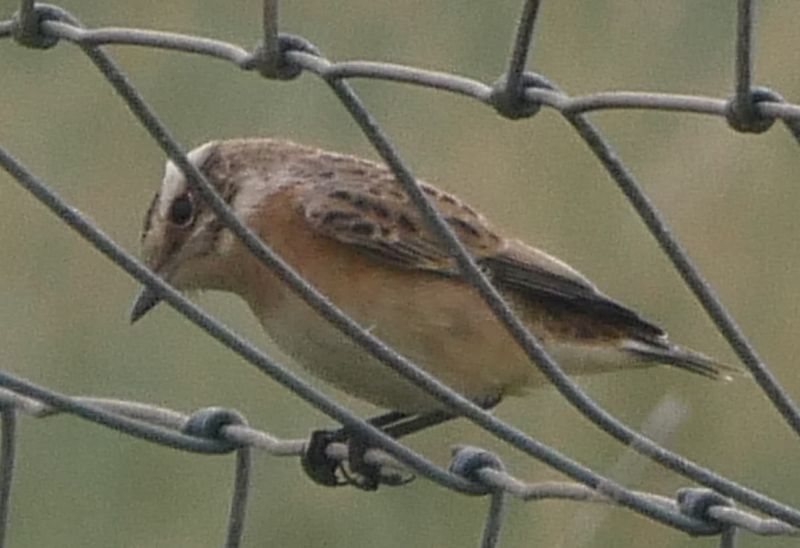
145,301
153,258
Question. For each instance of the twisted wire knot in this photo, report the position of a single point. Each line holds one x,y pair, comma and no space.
745,116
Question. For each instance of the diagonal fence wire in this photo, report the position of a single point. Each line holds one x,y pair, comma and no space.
463,406
514,436
518,94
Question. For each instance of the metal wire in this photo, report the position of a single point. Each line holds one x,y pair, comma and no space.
241,488
217,330
340,320
517,94
8,450
271,54
488,469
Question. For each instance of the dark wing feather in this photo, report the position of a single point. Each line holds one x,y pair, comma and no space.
362,205
538,276
376,217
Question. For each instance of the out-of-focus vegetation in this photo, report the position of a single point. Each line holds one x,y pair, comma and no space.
732,200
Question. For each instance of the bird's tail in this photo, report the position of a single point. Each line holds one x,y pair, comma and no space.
684,358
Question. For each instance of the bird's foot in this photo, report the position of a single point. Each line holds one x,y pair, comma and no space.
320,467
355,470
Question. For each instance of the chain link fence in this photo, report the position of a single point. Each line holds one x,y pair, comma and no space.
719,507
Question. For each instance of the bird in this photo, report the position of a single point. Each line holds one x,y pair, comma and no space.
348,227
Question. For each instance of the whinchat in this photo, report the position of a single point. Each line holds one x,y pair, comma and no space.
348,227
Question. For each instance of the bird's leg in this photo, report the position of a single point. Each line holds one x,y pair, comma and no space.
330,472
386,419
411,424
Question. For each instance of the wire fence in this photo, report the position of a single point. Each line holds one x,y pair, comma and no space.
708,510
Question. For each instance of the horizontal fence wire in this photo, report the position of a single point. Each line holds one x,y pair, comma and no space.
517,94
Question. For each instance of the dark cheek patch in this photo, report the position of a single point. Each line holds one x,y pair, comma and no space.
215,227
172,246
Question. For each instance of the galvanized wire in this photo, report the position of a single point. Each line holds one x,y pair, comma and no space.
336,316
92,412
478,465
8,450
516,94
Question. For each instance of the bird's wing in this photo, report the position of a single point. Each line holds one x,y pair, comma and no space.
378,217
539,276
375,215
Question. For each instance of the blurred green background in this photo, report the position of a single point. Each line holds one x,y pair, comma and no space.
730,198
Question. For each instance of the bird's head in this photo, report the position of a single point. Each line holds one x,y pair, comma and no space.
182,239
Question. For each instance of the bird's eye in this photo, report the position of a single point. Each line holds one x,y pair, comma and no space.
182,210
